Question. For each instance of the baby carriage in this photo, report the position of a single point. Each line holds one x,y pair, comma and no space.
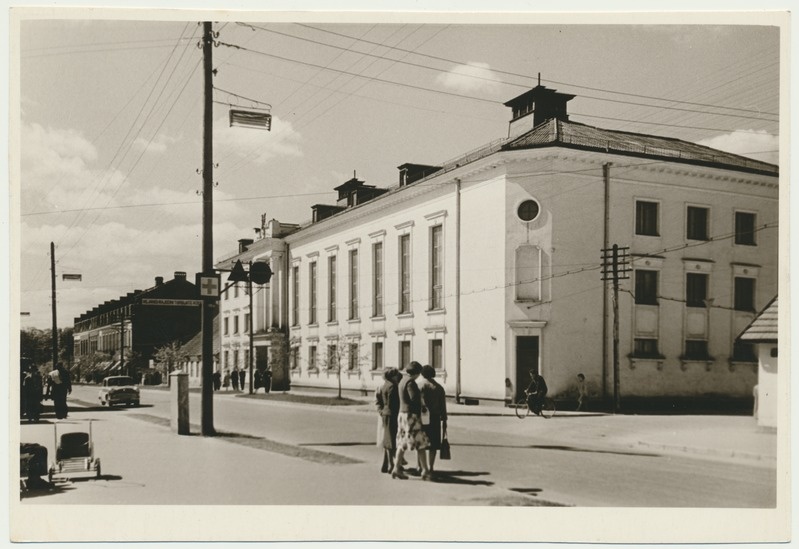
74,456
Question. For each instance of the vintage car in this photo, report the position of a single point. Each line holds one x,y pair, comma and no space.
119,390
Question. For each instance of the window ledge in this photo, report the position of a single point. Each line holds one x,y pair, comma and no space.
378,317
331,323
434,312
354,321
404,315
657,359
707,361
738,362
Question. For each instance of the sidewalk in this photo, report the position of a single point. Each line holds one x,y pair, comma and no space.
726,437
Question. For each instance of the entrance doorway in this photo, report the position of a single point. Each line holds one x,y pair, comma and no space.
526,361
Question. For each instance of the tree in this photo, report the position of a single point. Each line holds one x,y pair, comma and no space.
168,356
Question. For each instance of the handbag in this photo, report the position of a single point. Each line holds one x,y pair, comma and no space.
444,451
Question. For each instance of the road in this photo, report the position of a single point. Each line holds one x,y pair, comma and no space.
300,454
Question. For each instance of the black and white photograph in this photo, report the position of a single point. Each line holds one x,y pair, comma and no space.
478,277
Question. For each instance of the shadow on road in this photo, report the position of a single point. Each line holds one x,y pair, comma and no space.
370,443
454,477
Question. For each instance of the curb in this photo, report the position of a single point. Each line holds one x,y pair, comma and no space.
735,454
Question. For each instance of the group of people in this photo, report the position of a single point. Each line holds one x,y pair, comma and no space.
58,384
238,377
412,409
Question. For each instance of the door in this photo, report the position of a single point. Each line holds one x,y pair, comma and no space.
526,362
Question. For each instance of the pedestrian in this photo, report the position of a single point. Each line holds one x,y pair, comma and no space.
267,380
60,388
226,380
257,380
581,391
234,377
242,378
32,389
508,392
387,404
217,378
434,412
410,435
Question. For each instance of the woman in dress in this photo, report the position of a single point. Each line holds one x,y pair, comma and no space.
387,403
434,402
410,435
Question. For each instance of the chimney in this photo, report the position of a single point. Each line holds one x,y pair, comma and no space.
243,243
535,107
159,280
180,275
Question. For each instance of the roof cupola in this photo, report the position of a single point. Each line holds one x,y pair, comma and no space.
535,107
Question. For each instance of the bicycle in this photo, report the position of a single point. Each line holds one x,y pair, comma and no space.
524,407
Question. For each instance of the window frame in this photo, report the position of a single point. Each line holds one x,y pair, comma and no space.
643,225
748,304
404,243
691,232
353,297
436,267
312,293
745,238
642,298
295,294
377,279
690,289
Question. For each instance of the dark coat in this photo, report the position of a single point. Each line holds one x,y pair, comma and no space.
410,396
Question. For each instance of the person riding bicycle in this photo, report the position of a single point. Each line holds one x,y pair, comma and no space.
536,392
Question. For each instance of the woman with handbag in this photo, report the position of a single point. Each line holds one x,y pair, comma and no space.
434,412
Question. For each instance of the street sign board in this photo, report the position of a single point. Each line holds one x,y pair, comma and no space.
172,302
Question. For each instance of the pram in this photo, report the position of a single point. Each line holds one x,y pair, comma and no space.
74,456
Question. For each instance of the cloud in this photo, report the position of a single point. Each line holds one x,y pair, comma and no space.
257,146
469,78
759,144
159,144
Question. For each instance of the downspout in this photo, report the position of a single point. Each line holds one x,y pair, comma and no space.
605,285
458,290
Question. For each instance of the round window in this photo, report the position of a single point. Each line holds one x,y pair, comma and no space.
528,210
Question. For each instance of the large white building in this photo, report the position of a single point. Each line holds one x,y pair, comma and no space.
490,266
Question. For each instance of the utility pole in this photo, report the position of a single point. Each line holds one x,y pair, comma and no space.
251,358
55,321
612,259
208,304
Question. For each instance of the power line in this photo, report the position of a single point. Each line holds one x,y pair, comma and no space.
531,77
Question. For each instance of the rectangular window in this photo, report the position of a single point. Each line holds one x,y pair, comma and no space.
332,357
377,279
353,284
352,358
295,295
646,287
405,273
331,289
227,325
246,323
294,358
744,294
436,267
743,351
246,363
695,289
236,324
235,359
745,228
312,358
646,348
227,359
235,289
312,293
404,353
697,226
646,218
436,354
696,349
377,355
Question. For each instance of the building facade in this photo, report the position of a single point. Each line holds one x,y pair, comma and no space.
139,323
491,266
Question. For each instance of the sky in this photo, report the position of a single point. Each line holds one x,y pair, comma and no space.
110,122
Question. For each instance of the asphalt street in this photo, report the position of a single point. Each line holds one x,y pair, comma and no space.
277,453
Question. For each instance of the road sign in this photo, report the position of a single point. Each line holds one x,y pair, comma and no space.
172,302
209,285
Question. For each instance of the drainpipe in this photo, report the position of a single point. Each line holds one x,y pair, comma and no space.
605,285
458,290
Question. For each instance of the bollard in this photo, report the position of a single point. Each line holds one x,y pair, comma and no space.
179,396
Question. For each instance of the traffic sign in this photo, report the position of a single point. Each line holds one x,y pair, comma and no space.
209,285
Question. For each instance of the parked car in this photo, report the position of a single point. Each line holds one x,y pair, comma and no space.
119,390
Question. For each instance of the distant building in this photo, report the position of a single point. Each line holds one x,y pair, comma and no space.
192,356
762,332
489,266
143,320
269,305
